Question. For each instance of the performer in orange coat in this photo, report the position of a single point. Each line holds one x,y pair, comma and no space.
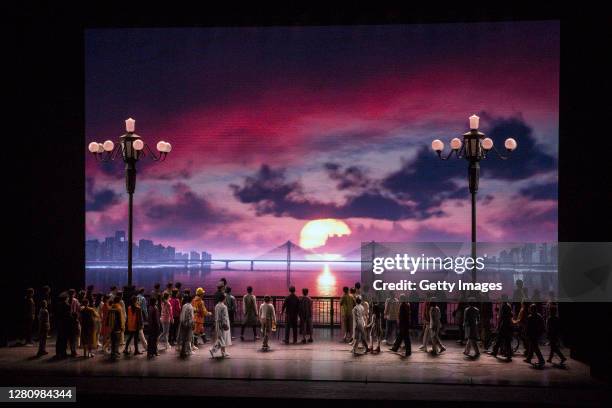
200,313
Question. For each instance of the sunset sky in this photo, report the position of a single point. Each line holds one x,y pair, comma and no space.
274,127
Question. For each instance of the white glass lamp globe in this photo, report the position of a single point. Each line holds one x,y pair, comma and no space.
93,147
474,122
138,144
130,125
161,146
437,145
168,147
108,145
487,143
510,144
455,143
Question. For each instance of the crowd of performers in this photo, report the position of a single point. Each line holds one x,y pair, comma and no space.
174,318
521,321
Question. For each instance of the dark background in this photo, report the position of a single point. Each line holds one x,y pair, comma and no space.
46,143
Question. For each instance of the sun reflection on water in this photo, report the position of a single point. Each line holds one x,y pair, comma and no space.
326,282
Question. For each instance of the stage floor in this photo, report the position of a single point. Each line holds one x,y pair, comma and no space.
324,369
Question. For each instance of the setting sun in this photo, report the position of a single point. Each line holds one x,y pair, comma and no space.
315,233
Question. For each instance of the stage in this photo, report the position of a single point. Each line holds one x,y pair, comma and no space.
323,369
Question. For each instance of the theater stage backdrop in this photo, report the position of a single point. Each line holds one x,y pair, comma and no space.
315,135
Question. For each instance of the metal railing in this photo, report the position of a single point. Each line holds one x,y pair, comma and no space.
326,311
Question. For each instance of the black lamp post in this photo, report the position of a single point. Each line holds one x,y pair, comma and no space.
474,148
132,148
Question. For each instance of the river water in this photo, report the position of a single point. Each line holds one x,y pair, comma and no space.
320,279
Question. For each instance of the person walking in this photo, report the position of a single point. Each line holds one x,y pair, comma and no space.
142,302
119,296
43,328
176,316
63,325
403,325
105,306
305,315
426,320
486,314
186,324
230,303
471,321
249,304
134,325
391,316
222,327
504,330
375,326
347,303
553,332
267,317
45,294
89,336
97,305
154,326
434,328
458,315
74,333
359,324
200,312
166,320
352,293
521,322
116,326
291,307
535,329
73,302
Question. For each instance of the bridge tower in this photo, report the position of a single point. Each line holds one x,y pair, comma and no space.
288,263
373,251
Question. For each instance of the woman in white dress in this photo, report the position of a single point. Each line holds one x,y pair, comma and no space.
221,329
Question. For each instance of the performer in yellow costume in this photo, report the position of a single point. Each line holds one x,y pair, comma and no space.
200,313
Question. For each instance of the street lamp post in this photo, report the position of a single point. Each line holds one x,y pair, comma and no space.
474,147
132,148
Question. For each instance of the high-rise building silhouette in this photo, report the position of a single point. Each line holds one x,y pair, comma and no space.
528,253
181,256
169,253
92,250
145,250
115,249
543,253
120,246
108,247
